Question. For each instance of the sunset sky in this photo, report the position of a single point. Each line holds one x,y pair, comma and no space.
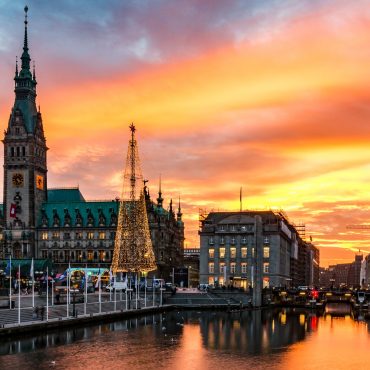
270,95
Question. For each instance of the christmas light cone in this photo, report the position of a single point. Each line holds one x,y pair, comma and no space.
133,250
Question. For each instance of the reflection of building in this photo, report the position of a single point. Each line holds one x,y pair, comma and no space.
365,272
240,248
60,224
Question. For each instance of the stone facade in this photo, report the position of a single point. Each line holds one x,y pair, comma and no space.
249,247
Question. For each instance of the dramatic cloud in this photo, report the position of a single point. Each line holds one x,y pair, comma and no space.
270,95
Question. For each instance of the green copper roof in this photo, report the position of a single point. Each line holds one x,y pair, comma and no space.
61,209
29,112
65,195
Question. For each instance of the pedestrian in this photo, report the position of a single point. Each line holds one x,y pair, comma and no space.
37,311
42,311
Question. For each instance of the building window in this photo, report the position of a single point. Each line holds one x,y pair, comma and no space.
23,151
90,235
211,267
243,228
90,256
222,240
232,252
210,241
266,252
232,267
18,151
101,235
244,240
55,256
222,268
12,151
266,240
244,268
55,234
222,252
44,235
67,236
244,252
211,253
266,267
233,228
253,252
211,280
222,228
113,235
101,256
79,256
78,234
44,254
232,241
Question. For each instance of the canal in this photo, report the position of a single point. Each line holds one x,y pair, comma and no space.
268,339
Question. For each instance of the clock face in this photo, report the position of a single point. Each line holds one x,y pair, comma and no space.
17,179
40,182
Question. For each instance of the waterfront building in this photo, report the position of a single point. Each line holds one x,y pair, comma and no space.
243,248
343,274
58,223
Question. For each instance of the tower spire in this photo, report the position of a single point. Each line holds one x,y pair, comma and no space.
179,213
16,66
160,199
25,55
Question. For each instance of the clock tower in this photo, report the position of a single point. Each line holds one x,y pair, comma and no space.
25,169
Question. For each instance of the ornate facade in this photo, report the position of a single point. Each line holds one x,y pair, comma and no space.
60,224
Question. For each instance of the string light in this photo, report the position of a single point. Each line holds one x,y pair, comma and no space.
133,250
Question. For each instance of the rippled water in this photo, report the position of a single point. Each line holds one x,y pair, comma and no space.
271,339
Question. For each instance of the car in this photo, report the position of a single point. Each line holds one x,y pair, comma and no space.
118,285
204,287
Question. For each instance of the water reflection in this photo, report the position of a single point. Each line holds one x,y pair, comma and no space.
190,339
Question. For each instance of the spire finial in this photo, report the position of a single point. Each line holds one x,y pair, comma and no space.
179,213
160,199
25,56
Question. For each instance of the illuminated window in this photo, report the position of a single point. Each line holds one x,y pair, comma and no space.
266,252
222,252
211,253
90,235
233,267
266,267
78,234
44,236
244,252
232,252
90,256
211,280
211,267
55,234
252,252
101,235
244,268
222,267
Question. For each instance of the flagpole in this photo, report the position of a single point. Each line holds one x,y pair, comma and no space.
125,291
153,292
47,293
115,293
33,285
10,282
85,300
19,294
67,295
100,293
145,291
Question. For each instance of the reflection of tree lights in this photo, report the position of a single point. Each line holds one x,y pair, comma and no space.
302,319
283,318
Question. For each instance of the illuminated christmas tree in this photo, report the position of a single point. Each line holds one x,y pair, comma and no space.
133,250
